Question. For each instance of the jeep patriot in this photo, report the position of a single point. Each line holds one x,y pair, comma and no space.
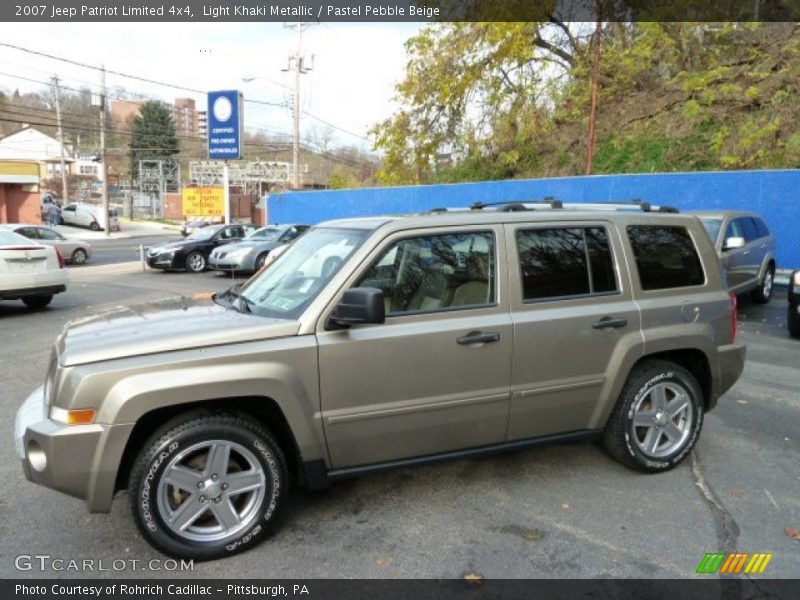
386,342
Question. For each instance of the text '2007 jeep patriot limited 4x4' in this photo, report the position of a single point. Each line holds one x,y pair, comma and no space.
383,342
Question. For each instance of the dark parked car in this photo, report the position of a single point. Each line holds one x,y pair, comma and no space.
794,304
251,253
192,253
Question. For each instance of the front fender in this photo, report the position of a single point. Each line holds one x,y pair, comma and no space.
283,370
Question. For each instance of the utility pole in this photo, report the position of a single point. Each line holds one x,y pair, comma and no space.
297,64
103,167
64,198
598,34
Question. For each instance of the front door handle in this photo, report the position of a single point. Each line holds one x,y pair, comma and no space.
607,322
478,337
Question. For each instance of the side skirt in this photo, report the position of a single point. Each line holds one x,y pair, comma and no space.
318,476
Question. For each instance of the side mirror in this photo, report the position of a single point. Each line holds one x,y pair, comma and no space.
359,306
732,243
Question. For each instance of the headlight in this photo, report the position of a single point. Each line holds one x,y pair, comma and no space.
166,254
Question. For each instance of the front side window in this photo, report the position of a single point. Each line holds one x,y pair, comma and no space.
665,257
287,287
436,272
565,261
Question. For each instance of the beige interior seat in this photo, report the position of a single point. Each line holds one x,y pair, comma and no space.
476,289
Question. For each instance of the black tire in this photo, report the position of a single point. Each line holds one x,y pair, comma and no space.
793,321
167,445
623,440
38,302
260,260
763,292
78,256
94,226
196,262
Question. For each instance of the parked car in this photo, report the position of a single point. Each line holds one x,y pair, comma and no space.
191,226
73,250
250,254
746,249
793,319
89,215
428,337
191,253
30,272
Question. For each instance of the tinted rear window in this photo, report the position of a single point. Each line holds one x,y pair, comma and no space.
665,257
567,261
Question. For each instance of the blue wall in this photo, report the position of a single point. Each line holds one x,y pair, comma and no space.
774,194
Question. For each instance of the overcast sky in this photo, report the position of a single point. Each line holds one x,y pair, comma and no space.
351,86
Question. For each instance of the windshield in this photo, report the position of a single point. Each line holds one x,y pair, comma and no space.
290,284
712,227
265,233
202,234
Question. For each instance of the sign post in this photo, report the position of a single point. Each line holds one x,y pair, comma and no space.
225,134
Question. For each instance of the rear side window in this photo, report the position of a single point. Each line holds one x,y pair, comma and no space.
565,261
665,257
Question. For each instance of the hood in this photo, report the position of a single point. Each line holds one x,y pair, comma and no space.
260,244
163,326
171,245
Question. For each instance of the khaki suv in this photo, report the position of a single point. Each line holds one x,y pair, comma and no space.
388,342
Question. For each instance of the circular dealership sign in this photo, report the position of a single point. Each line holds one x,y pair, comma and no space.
222,108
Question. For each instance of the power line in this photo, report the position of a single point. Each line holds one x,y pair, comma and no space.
268,146
172,85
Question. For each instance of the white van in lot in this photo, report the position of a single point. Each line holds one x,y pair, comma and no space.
89,215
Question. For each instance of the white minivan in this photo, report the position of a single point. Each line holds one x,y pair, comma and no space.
89,215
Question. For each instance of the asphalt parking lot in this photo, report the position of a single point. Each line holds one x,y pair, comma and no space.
560,511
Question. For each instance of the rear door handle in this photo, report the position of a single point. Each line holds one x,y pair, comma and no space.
607,322
478,337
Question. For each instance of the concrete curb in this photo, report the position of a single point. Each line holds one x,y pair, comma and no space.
78,273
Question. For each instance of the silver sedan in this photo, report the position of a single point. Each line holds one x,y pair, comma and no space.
251,253
73,250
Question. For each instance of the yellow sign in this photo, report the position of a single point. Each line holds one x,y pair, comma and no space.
203,202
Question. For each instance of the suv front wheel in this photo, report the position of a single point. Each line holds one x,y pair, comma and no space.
207,486
657,419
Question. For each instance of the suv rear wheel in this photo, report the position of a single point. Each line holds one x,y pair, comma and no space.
206,486
763,292
657,419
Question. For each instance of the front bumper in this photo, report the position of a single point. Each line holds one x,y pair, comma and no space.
160,261
55,455
243,262
730,364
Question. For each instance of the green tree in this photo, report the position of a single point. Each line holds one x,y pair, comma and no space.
153,135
